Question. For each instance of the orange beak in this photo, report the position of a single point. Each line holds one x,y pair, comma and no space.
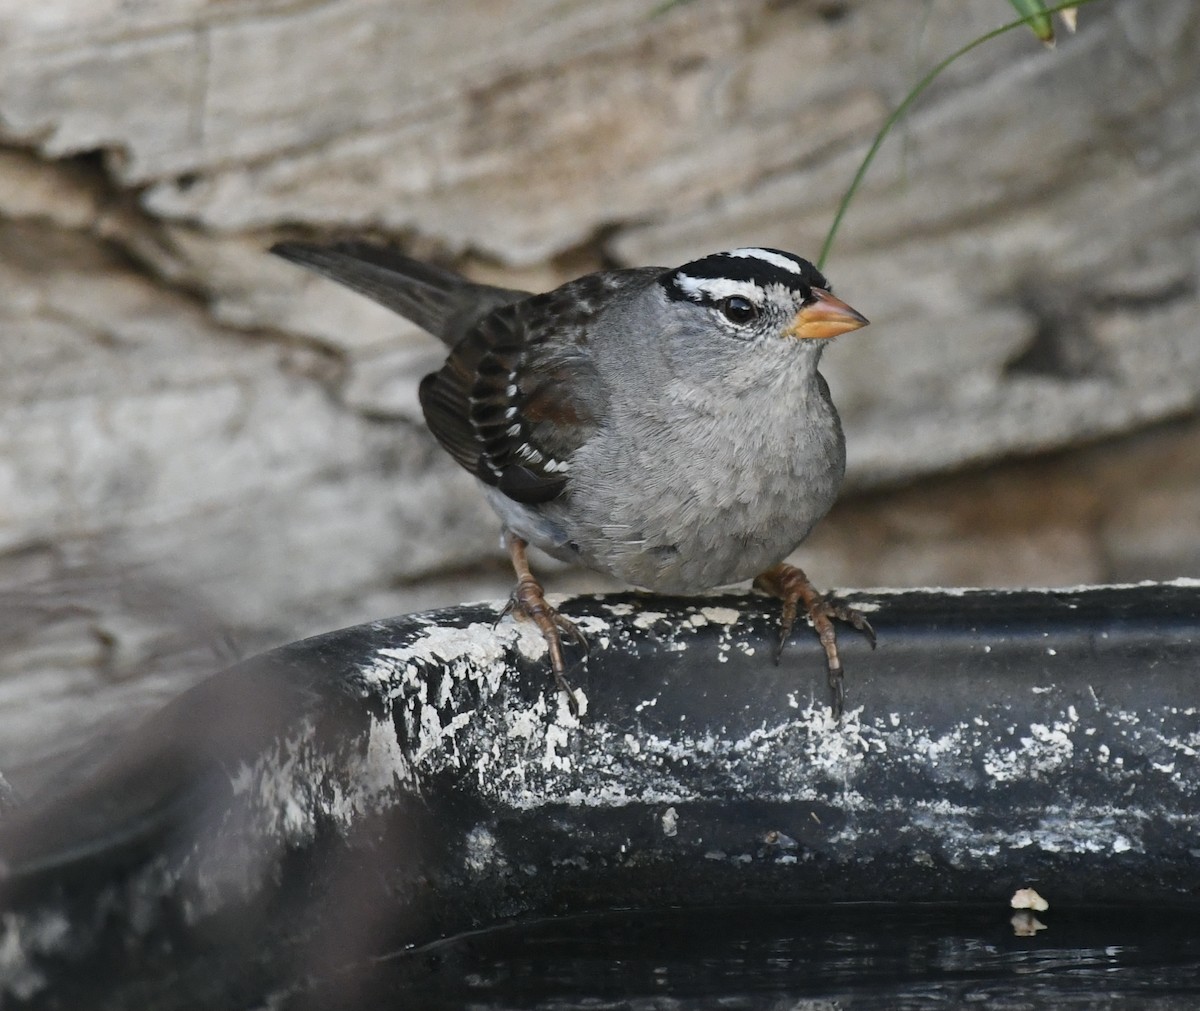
824,317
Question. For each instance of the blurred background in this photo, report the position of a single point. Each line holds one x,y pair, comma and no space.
206,452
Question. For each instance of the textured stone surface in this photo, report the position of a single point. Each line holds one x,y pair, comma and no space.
203,450
1120,511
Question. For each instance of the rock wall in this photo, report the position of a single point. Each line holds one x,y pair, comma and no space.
205,451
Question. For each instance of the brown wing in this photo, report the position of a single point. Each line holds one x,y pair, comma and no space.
520,394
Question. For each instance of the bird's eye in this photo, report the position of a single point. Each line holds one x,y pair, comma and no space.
738,310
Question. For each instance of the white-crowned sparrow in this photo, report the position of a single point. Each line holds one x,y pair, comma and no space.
666,426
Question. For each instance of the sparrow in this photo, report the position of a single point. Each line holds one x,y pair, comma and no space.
666,426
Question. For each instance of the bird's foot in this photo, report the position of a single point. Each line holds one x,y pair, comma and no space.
794,588
528,601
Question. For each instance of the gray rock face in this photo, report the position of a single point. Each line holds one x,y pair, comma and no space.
198,438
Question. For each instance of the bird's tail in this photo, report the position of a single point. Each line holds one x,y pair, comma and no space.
438,300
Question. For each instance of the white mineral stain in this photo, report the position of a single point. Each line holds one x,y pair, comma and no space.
525,724
530,642
477,642
429,732
962,591
383,766
670,822
43,932
591,625
482,856
556,737
721,615
1044,750
565,717
242,780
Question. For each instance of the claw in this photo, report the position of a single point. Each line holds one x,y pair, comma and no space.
794,588
569,627
787,617
837,690
855,619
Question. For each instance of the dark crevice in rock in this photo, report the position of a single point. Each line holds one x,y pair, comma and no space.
1061,349
1063,344
833,11
595,251
1160,298
140,243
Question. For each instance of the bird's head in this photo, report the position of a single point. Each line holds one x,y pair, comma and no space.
759,295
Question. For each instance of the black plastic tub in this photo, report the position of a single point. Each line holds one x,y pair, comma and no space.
406,812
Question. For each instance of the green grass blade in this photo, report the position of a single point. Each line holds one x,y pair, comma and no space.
904,106
1038,18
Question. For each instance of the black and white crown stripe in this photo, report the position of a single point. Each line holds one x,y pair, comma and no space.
775,257
714,289
745,272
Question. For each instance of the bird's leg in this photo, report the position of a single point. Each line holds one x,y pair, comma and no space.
793,587
528,600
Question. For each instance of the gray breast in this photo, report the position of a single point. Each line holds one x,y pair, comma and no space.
682,504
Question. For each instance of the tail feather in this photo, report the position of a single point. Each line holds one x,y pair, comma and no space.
438,300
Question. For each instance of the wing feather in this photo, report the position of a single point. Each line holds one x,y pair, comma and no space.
520,393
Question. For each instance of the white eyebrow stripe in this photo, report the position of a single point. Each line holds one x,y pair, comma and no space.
713,289
754,253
